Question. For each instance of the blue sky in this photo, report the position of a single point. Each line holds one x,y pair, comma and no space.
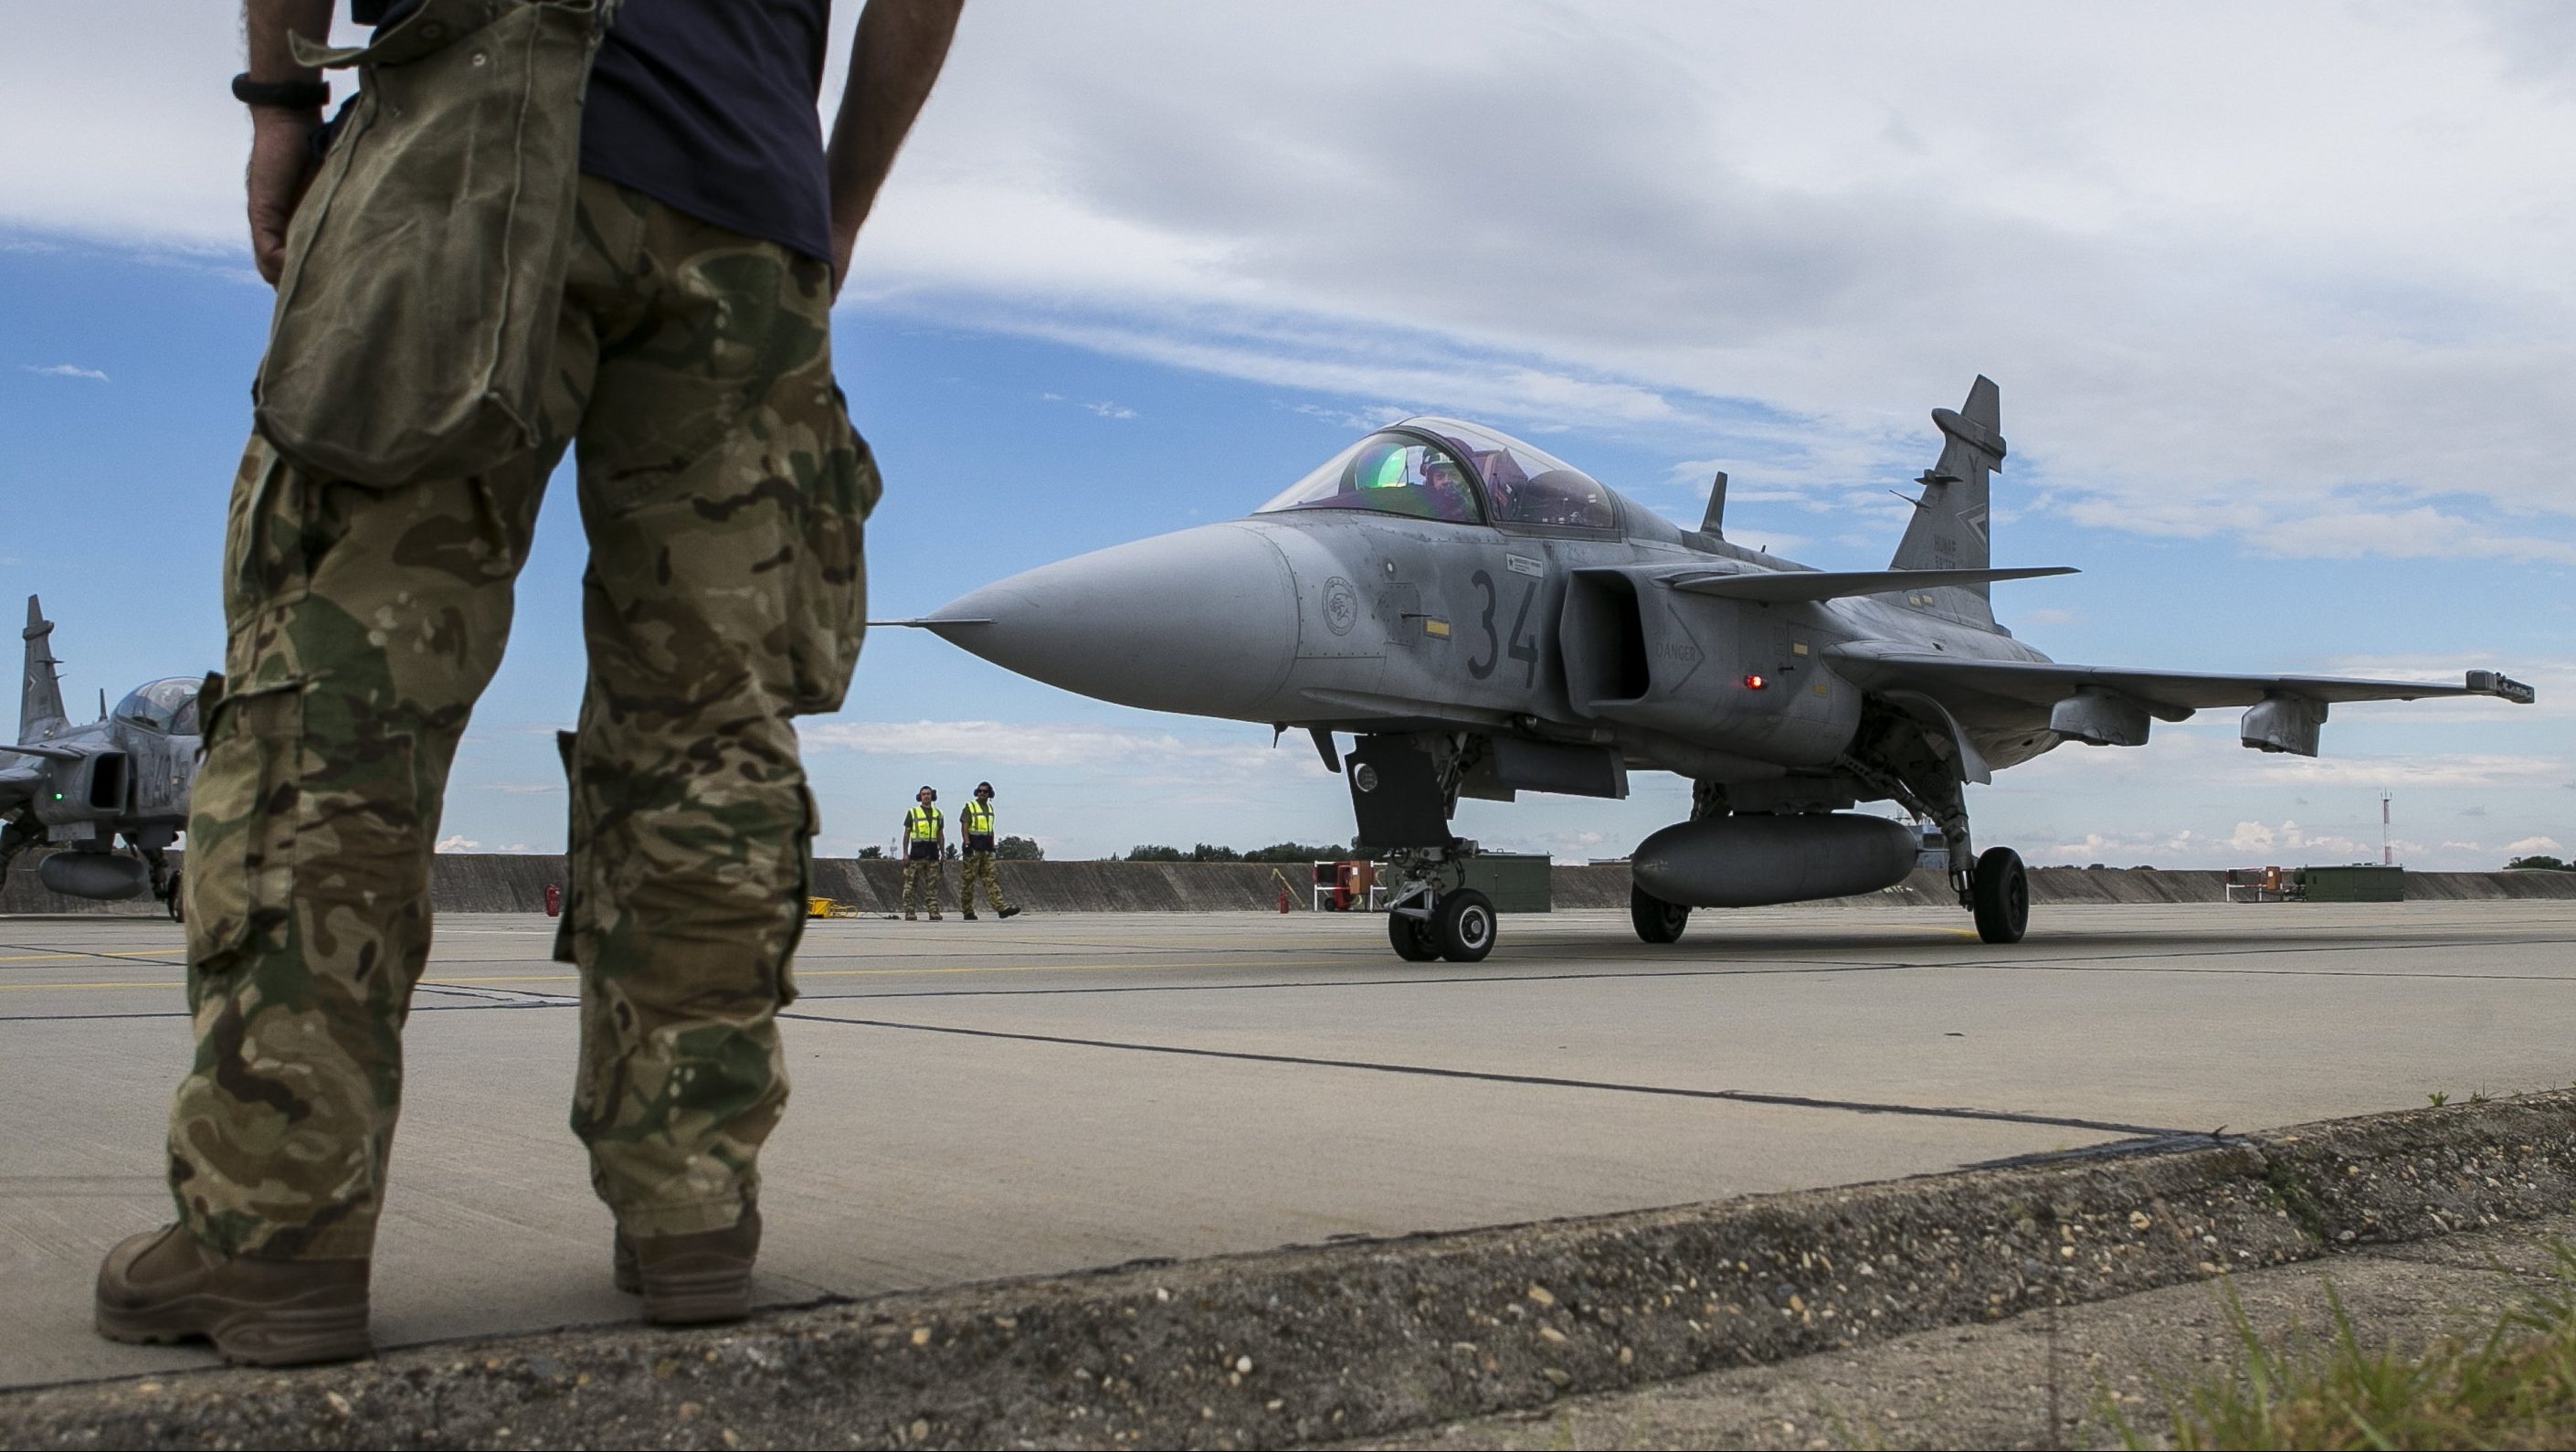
2279,423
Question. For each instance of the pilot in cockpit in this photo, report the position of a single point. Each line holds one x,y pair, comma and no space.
1445,484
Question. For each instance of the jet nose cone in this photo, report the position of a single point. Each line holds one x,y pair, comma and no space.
1202,622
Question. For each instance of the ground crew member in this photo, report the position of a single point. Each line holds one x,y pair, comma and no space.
976,821
692,361
925,841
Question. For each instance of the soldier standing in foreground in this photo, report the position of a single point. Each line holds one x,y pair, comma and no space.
976,822
722,489
925,841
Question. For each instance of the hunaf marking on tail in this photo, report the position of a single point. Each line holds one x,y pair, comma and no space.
40,696
1949,530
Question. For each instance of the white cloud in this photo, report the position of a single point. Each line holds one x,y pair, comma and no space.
1357,420
459,842
2529,845
2166,234
1111,410
64,370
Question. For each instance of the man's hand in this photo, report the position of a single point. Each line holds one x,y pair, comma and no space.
900,46
281,166
281,142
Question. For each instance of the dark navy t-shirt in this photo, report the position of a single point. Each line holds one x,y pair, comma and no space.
709,106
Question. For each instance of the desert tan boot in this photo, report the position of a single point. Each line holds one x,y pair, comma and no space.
690,1280
167,1285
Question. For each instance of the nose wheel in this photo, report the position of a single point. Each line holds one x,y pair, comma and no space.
1463,922
1411,937
1458,925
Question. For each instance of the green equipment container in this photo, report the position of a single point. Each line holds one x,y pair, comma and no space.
2360,882
1516,881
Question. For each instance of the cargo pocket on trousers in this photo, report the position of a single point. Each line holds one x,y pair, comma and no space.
828,604
802,901
242,821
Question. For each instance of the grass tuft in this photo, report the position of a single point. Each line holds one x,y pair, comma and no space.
2513,1387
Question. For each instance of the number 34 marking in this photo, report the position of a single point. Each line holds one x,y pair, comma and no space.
1524,647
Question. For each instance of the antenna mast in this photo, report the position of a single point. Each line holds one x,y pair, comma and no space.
2387,854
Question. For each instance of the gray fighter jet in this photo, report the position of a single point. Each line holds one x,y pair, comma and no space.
81,788
1489,620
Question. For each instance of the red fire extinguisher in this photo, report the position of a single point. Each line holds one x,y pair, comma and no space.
554,900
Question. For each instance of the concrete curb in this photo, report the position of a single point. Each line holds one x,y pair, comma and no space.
1312,1344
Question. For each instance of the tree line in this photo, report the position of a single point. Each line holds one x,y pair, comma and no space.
1209,852
1008,849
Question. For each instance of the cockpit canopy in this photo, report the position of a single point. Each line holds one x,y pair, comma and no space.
168,705
1440,468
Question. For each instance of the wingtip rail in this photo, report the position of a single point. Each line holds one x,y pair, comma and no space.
2497,683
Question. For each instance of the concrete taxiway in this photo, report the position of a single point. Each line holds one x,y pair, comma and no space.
975,1100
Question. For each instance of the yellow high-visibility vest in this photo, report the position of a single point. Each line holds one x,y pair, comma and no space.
922,823
979,819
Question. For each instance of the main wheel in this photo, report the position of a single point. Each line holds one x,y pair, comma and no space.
1411,938
1463,925
1657,921
177,903
2001,892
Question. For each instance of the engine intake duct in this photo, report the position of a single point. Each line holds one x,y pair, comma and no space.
1753,861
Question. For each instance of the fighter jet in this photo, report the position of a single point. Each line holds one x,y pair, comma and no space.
82,788
1486,619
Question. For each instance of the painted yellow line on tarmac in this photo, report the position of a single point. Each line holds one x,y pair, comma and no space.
801,975
59,957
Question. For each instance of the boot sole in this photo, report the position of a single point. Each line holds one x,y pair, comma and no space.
317,1329
696,1298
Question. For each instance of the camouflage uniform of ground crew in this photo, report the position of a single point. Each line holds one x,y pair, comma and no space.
975,865
923,879
694,364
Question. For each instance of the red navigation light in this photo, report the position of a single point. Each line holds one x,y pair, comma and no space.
1754,682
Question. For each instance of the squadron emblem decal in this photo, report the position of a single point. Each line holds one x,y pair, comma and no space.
1341,606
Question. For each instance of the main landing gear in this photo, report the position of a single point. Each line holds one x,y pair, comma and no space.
165,882
1657,921
1999,894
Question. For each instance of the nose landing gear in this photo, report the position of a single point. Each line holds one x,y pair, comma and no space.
1425,922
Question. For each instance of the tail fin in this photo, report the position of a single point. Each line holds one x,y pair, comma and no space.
1949,530
1713,523
40,697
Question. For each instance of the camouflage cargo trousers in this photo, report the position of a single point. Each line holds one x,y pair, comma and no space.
924,881
723,493
977,867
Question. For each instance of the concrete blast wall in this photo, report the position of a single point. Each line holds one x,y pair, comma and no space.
491,882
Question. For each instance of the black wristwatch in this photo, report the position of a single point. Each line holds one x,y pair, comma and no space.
281,95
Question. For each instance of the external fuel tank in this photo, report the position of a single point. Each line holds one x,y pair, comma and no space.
1751,861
